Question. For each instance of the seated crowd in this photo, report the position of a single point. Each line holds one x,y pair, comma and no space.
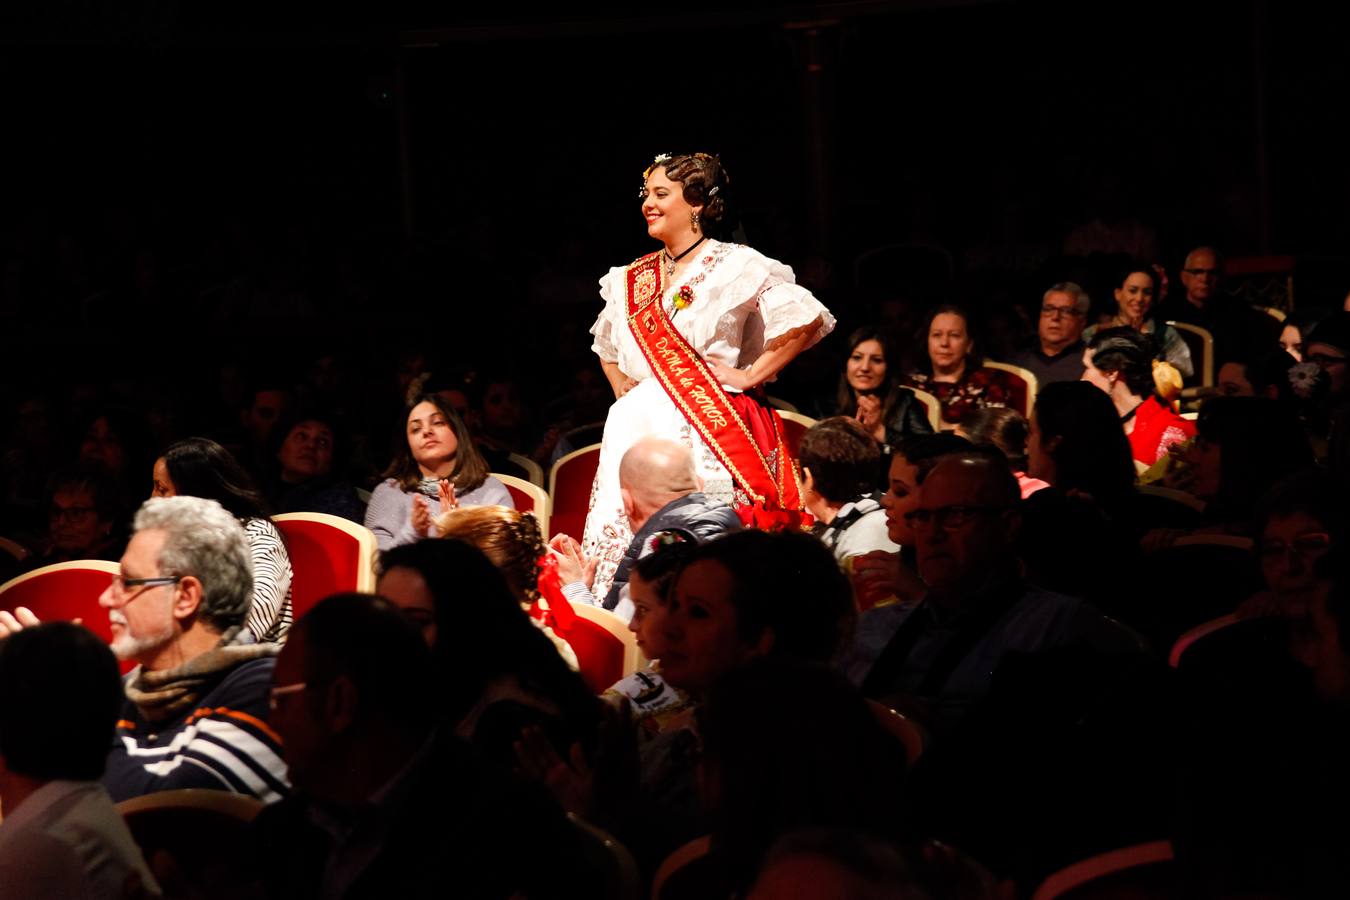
1024,629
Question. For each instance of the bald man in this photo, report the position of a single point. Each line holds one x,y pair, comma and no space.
661,492
1241,333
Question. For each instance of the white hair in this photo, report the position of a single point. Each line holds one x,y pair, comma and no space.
203,540
1080,298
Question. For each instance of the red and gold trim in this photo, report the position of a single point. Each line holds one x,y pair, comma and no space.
768,479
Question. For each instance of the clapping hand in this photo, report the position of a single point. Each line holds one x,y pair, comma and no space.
869,412
572,566
17,621
571,781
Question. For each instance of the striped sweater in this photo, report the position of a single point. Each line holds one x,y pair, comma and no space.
224,743
269,615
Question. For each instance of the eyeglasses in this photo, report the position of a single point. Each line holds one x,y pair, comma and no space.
282,690
1305,545
948,518
1201,272
121,585
1055,312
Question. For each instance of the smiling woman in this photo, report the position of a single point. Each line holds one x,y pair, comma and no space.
1136,288
869,390
713,322
436,460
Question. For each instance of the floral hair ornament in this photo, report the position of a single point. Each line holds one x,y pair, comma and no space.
1167,381
1303,378
657,162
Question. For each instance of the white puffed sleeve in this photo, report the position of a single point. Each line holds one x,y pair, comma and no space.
611,317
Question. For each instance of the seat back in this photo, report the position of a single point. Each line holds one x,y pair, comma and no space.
1201,344
534,473
569,490
932,407
1024,385
206,833
606,648
64,592
677,860
14,549
904,729
528,497
1118,873
618,871
794,426
780,404
329,555
1184,642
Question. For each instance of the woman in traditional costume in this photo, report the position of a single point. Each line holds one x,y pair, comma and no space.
688,336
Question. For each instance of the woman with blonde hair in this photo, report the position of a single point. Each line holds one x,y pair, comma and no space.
512,542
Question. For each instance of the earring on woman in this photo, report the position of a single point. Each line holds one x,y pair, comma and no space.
693,220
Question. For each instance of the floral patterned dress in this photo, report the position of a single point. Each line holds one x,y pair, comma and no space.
977,389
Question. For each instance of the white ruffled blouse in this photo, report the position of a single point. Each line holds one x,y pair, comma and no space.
744,303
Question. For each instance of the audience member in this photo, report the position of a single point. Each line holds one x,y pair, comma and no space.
661,491
385,805
195,704
497,673
311,454
437,460
1056,354
85,518
1134,290
1076,444
1239,331
1298,326
1300,520
1244,445
788,745
61,835
839,462
1122,362
869,391
1006,431
880,578
953,371
936,658
198,467
653,701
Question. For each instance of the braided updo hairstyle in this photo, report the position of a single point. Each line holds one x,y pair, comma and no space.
703,181
510,539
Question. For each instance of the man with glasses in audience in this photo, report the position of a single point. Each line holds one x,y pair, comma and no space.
196,704
1240,333
1057,353
942,652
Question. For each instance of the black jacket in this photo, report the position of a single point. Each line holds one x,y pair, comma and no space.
696,513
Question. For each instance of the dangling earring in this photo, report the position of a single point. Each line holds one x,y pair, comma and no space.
693,220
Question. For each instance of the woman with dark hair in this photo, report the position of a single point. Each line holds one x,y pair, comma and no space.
1297,327
1123,363
870,391
1136,285
498,673
953,373
1243,446
1076,444
310,453
1006,431
198,467
436,459
713,322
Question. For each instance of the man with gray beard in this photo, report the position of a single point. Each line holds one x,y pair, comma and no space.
197,702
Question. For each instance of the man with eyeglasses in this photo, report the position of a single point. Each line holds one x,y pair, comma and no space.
1241,333
1057,352
196,704
942,653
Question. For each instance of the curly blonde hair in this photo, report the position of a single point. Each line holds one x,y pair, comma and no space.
510,539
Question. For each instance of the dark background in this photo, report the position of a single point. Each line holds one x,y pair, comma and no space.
186,180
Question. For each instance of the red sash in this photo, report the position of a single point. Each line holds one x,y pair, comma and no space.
761,468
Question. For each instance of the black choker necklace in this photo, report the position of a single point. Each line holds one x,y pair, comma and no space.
683,253
1130,415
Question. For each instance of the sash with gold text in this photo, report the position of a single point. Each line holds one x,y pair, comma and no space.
770,483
